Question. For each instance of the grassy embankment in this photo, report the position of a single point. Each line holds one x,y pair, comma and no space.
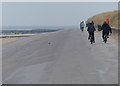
100,18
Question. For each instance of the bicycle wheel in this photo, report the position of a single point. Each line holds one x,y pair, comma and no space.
91,39
105,39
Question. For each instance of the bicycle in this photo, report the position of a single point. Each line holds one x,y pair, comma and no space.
91,39
105,38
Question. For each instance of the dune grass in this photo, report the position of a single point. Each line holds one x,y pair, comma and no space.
100,18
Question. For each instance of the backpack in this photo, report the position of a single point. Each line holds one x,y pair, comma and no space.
91,28
99,28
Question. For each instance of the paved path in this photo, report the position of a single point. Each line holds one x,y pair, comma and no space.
64,57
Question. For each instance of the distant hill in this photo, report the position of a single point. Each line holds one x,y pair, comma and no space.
100,18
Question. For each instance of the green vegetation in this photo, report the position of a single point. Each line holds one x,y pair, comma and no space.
100,18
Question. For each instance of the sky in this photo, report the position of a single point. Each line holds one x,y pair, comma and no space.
51,13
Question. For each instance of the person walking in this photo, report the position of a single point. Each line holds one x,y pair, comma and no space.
82,25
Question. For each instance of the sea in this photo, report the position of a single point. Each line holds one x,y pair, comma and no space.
8,30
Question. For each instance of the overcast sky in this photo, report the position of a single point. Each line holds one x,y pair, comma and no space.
53,13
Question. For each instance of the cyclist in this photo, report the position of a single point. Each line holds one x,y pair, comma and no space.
106,29
91,29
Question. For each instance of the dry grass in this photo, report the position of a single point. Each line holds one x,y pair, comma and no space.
100,18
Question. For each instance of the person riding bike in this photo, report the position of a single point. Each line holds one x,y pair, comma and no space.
91,29
106,29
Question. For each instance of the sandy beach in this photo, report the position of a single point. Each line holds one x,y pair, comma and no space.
14,37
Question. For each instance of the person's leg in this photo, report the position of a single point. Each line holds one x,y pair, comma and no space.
103,35
82,28
93,37
107,34
89,35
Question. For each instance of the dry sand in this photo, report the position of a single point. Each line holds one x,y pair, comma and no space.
7,40
18,35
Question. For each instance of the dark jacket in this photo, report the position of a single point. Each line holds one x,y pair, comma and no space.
91,28
106,28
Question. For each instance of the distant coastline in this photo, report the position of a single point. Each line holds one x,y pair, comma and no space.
7,36
28,31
